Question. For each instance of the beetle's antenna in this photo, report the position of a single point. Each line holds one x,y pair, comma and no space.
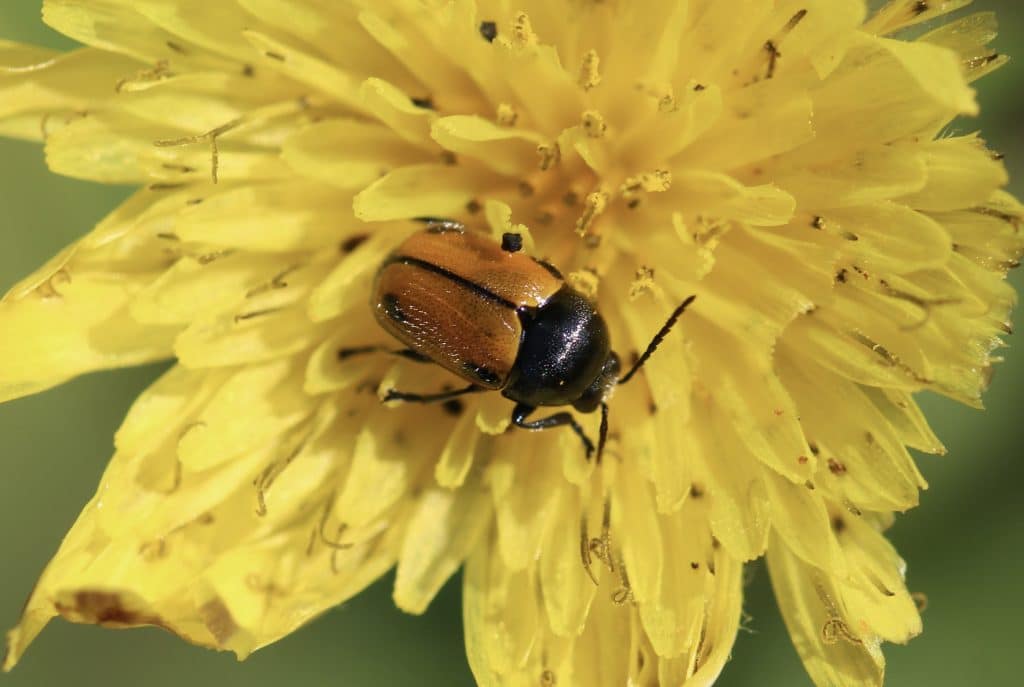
662,333
603,435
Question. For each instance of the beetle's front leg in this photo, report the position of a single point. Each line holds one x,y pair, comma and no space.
394,395
522,411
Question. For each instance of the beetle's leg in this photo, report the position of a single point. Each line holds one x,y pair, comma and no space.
603,436
407,353
392,395
522,411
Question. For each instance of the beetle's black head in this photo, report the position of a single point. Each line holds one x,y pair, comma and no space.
597,392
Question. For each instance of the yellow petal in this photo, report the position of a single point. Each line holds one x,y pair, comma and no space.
863,461
40,90
900,14
246,336
443,528
873,175
348,154
459,453
75,322
214,27
567,590
969,36
253,405
109,25
920,243
269,218
720,196
398,112
305,68
193,288
962,173
674,617
740,516
802,524
506,150
420,191
347,285
721,623
762,122
500,612
524,481
829,645
384,457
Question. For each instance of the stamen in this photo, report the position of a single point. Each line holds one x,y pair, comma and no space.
276,283
334,544
594,124
270,590
920,600
624,594
606,535
595,204
251,315
585,549
506,115
836,629
153,550
773,57
658,181
890,358
210,136
586,281
270,474
160,72
522,32
175,477
207,258
255,116
771,46
590,76
642,283
925,304
48,289
550,155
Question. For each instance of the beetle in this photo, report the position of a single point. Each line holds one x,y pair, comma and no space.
502,321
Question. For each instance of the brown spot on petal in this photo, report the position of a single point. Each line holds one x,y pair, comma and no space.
103,608
218,620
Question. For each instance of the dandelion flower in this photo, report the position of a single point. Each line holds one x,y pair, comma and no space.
789,162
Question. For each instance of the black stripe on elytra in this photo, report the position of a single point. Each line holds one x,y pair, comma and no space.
462,281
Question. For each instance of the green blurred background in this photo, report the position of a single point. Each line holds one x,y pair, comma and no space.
963,545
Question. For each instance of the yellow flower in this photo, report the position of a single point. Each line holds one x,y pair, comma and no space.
787,161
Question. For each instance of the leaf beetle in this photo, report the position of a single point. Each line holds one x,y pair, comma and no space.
502,321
